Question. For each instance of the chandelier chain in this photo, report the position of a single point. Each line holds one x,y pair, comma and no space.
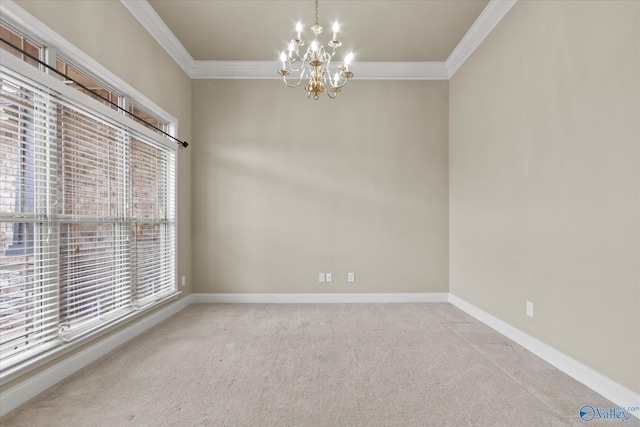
317,13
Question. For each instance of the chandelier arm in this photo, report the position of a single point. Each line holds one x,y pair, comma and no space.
295,70
346,80
307,55
301,67
334,94
289,84
301,58
284,78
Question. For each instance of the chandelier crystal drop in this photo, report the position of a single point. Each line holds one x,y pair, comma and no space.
314,65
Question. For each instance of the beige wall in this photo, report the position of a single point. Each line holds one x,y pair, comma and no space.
107,32
543,170
544,179
285,187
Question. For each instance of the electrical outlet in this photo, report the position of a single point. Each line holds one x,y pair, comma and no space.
329,277
321,277
351,277
529,309
184,280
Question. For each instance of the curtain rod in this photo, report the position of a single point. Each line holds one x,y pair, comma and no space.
183,143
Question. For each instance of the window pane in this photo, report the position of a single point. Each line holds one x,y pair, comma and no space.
142,117
148,181
13,39
18,42
32,50
153,236
153,271
93,272
61,67
91,178
17,157
28,291
93,89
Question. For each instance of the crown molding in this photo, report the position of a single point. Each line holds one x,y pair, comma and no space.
151,21
401,71
365,70
490,16
235,70
484,24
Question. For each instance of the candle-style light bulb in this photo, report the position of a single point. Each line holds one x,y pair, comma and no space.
347,60
283,58
336,28
291,48
314,45
299,29
336,78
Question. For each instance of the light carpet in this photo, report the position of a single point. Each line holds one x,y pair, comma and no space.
316,365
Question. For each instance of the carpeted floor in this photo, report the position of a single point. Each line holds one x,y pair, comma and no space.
316,365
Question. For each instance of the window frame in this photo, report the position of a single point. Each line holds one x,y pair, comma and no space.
54,46
51,44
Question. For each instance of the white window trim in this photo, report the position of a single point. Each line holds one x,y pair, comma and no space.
33,29
80,98
17,65
39,32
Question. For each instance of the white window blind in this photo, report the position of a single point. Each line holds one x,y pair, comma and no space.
28,254
94,238
87,215
153,210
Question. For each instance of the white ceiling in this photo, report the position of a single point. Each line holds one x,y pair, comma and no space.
390,38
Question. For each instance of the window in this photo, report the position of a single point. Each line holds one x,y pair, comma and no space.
16,113
94,90
28,287
17,40
91,209
153,210
87,213
87,85
147,119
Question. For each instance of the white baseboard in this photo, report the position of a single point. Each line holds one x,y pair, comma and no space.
615,392
28,389
317,298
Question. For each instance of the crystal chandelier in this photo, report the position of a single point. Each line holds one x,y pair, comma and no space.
315,65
